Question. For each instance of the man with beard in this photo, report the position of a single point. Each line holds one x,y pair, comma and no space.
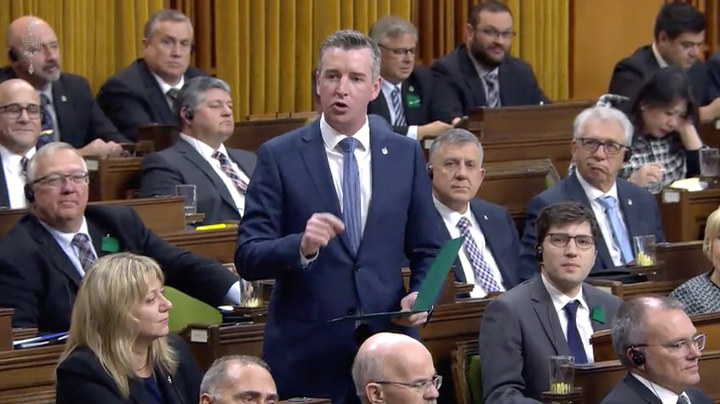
623,210
199,157
69,111
679,38
480,73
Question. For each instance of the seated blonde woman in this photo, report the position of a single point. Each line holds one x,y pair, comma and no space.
118,350
701,294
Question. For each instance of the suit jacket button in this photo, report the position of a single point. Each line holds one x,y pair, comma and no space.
351,312
357,269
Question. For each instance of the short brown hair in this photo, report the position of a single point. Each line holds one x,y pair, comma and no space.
491,6
563,213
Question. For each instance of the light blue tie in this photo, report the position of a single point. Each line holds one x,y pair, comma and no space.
620,236
398,107
351,192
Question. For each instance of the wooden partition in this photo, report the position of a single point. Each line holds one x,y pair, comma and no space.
684,213
217,244
6,331
27,376
113,178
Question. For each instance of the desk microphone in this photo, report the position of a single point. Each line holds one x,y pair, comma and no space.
607,100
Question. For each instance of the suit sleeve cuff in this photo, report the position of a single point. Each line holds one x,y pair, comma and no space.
412,132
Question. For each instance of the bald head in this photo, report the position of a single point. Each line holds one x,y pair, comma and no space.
20,121
35,45
396,358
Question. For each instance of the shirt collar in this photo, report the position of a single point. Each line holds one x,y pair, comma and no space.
450,215
203,148
47,91
593,193
12,161
165,87
390,87
665,395
66,238
560,299
661,62
331,137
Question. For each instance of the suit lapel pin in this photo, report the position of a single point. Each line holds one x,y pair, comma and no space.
411,89
485,217
169,380
630,202
384,150
63,98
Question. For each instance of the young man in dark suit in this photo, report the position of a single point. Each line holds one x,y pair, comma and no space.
143,93
406,98
45,255
70,113
489,257
480,73
678,40
623,210
659,346
325,267
555,313
199,157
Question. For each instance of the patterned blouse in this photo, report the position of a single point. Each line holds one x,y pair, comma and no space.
699,295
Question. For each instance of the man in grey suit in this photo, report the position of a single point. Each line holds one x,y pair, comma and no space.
659,345
552,314
199,157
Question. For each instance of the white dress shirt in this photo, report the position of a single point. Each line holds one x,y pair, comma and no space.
48,92
661,62
206,152
582,317
593,194
14,176
666,396
387,90
451,219
65,242
331,139
165,87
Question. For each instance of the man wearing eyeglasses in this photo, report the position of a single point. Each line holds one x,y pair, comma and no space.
406,98
480,73
623,210
19,131
660,347
552,314
46,254
144,92
393,368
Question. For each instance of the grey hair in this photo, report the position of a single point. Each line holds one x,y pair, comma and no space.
455,136
348,39
48,149
166,14
193,91
391,26
214,378
367,368
629,327
603,113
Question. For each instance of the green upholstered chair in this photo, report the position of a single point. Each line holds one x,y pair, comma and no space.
187,310
466,373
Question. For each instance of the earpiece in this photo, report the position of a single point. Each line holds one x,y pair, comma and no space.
430,171
636,357
12,55
29,193
539,253
188,113
628,154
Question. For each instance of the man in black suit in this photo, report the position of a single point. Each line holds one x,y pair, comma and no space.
70,113
659,345
45,255
20,115
679,38
143,92
623,210
480,73
406,98
489,256
198,157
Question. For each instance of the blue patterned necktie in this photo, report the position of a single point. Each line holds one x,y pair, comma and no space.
85,253
351,192
620,236
227,168
398,107
481,270
577,349
48,127
493,91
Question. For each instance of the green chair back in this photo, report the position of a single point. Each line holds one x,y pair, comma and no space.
187,310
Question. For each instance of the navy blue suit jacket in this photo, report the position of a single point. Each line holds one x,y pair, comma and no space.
639,208
460,88
501,237
291,182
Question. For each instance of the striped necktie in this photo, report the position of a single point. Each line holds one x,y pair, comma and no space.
84,251
48,127
398,108
483,275
227,168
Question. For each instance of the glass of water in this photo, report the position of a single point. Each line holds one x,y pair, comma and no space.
189,192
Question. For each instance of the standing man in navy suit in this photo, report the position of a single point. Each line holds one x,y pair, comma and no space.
489,257
144,92
406,97
600,145
480,73
332,211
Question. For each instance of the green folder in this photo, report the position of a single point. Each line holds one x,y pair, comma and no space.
430,287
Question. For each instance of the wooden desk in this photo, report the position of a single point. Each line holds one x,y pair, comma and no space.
111,179
682,260
6,330
27,376
217,244
684,213
161,214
